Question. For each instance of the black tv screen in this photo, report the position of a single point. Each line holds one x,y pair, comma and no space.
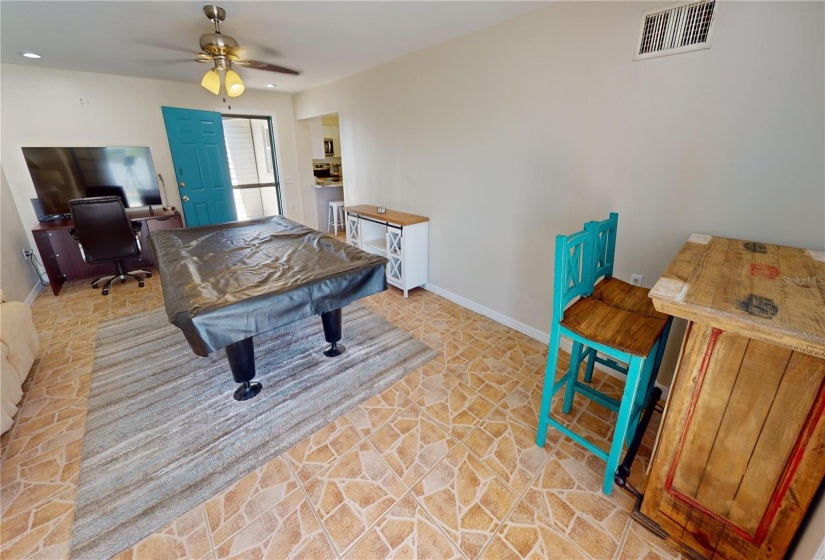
61,174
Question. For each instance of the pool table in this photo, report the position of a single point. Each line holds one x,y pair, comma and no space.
224,284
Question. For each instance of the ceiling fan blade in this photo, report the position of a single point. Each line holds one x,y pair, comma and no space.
249,51
162,45
257,64
168,62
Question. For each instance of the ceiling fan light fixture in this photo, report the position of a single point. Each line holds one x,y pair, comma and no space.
234,85
212,81
223,51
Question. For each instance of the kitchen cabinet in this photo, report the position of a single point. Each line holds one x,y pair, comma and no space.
741,450
402,238
323,196
331,131
318,132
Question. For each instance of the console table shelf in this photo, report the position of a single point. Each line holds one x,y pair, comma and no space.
402,238
61,255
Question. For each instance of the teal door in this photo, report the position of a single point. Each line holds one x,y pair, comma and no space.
201,166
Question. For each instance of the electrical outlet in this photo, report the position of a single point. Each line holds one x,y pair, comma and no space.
636,279
27,253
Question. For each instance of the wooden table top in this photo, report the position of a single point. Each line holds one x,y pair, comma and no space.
392,216
141,214
762,291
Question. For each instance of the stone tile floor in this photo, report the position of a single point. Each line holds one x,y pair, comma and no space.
443,464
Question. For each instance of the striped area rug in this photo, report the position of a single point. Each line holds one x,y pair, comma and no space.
164,434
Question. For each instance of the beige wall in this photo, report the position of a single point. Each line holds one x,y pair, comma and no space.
40,108
811,544
514,134
17,278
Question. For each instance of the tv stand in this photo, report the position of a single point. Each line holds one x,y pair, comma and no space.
61,254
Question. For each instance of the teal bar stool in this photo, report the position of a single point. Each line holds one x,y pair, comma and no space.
617,293
619,334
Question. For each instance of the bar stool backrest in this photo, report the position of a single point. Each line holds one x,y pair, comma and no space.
573,275
604,235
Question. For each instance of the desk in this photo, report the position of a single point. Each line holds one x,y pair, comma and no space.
741,451
224,284
61,255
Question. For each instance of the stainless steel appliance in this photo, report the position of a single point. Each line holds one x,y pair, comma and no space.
329,148
321,170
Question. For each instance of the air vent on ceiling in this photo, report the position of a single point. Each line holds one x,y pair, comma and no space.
678,28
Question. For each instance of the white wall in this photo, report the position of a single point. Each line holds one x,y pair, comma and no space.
17,277
811,544
40,108
303,140
514,134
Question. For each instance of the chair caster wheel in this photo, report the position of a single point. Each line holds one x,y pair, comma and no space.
148,275
105,292
94,286
140,284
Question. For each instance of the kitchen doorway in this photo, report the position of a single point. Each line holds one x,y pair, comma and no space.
253,167
328,171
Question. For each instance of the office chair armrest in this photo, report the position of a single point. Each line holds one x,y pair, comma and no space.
73,233
137,226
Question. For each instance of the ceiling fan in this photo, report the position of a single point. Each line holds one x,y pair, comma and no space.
223,51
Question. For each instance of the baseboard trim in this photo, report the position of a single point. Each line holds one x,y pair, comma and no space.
489,313
565,344
33,294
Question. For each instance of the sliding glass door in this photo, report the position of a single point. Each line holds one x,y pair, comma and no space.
253,167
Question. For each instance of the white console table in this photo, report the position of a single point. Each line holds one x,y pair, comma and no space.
402,238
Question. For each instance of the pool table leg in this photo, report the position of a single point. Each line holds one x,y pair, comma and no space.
241,357
332,332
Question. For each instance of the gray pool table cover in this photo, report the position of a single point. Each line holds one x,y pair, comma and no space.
224,283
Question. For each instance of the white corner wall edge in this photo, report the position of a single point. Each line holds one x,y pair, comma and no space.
33,294
533,333
820,553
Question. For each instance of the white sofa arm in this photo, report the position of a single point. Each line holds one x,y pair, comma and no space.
19,344
11,390
18,334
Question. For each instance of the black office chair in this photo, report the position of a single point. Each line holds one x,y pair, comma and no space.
105,234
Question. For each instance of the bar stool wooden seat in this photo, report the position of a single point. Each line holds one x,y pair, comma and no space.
616,293
622,335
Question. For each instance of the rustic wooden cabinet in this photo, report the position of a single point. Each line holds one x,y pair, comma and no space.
62,259
741,451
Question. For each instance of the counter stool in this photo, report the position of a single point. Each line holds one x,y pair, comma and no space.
617,293
336,215
620,334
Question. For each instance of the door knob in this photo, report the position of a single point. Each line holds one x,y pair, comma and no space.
185,198
182,184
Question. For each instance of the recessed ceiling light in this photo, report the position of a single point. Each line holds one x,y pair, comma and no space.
270,85
28,54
